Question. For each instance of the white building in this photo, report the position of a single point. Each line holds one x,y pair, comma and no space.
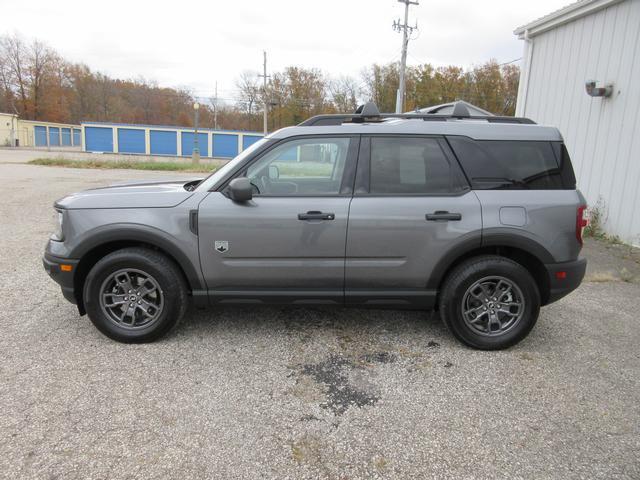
8,129
591,40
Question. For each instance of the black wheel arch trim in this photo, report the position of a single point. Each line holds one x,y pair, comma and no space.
508,237
463,246
139,233
491,238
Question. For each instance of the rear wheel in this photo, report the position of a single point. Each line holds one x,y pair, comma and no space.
135,295
489,302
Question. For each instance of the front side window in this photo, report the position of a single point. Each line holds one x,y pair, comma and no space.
311,166
405,165
510,164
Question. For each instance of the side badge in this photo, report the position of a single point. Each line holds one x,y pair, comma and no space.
221,246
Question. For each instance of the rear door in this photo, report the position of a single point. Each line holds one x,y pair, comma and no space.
411,205
288,243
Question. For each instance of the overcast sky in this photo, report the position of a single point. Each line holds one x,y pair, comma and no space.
194,43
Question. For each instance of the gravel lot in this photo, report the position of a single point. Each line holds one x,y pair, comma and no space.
306,393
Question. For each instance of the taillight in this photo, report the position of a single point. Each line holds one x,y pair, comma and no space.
581,221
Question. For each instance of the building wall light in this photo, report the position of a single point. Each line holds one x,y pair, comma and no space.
593,91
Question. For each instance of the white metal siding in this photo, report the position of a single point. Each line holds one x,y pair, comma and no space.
602,134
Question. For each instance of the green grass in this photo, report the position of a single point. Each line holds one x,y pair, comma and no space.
126,164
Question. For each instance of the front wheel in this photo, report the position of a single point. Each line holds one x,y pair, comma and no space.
135,295
489,302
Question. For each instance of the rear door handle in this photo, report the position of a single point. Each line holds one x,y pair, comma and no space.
316,215
443,216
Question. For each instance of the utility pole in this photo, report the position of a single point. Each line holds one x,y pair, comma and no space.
195,154
406,31
215,109
264,92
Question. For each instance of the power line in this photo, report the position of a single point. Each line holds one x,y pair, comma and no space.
512,61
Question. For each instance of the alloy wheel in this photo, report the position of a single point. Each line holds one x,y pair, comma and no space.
492,306
131,298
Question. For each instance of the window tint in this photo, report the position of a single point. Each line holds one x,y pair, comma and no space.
566,169
492,164
411,166
301,167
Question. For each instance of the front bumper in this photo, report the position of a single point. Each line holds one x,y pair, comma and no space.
564,278
64,278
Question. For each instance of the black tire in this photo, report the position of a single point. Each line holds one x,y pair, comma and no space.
464,277
172,297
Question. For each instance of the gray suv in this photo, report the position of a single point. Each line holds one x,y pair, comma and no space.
477,217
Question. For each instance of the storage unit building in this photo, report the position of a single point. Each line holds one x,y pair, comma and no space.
580,73
32,133
161,140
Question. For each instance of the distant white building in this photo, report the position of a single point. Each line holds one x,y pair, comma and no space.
564,53
8,129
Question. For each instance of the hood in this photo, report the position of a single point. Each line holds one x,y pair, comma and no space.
156,194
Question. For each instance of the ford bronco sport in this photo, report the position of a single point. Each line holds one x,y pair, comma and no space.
477,217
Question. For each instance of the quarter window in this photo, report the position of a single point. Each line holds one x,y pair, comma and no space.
411,165
492,164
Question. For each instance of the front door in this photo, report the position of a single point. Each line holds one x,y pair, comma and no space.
410,207
287,244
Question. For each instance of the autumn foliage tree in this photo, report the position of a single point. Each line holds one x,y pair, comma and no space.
38,84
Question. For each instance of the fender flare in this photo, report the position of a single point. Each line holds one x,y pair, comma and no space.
499,237
128,232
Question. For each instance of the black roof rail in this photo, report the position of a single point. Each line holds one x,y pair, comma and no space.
369,113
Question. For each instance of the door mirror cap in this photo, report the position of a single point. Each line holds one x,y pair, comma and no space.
240,189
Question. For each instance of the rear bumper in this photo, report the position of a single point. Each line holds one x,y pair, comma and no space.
564,278
63,278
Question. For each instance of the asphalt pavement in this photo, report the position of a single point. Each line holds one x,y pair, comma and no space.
303,392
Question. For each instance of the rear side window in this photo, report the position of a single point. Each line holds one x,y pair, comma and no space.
405,165
508,164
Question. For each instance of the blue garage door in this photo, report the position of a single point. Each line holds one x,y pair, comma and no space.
131,140
225,146
98,139
163,142
76,137
66,136
248,140
187,144
54,136
41,136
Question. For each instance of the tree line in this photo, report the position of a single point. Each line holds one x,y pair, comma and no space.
38,84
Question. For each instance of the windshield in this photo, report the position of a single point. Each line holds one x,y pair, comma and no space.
219,174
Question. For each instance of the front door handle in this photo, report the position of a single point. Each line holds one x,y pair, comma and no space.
443,216
316,215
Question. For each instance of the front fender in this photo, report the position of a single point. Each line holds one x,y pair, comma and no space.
184,250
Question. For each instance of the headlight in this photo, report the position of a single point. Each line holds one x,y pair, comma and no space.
57,234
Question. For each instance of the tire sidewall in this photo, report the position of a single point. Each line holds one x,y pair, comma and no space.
471,274
131,260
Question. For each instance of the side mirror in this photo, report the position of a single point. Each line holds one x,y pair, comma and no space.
274,172
240,189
